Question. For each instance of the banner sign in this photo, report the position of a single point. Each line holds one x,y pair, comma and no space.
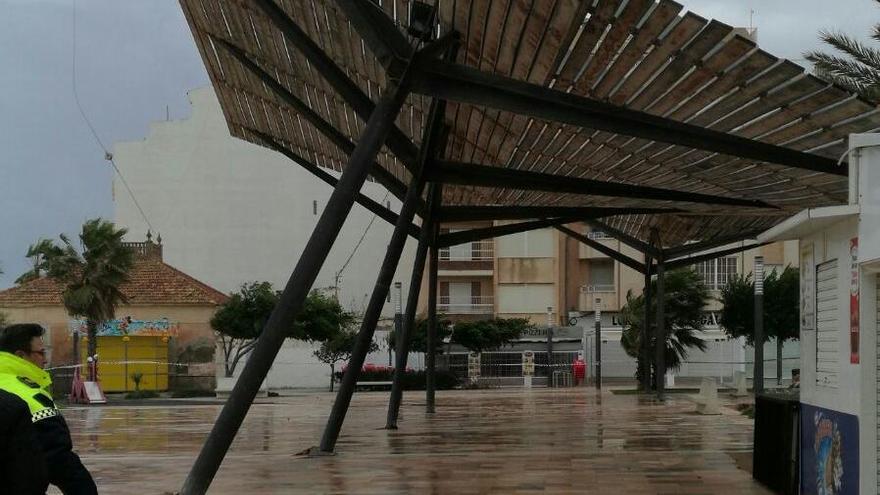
808,288
128,326
829,452
854,300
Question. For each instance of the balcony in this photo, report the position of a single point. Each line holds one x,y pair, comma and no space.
587,252
468,258
606,293
478,305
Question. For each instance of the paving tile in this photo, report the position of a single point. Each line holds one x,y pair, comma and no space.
506,441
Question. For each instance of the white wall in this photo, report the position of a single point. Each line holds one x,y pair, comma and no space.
230,212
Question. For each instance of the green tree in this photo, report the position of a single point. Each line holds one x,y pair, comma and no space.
855,66
419,339
240,321
35,253
686,296
338,348
781,309
486,335
92,279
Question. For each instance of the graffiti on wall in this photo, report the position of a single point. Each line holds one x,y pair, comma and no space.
129,326
829,452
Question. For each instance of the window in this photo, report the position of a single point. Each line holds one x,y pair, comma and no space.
602,275
716,273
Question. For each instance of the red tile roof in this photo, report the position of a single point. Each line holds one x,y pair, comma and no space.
151,282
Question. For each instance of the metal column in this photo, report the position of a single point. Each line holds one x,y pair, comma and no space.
598,344
645,337
660,335
404,336
301,280
431,358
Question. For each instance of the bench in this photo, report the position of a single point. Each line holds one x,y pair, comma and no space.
367,385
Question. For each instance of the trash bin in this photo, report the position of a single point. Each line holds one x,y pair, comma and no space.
776,449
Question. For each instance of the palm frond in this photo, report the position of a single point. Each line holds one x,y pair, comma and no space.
852,47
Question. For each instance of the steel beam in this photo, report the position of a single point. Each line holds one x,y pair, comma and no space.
403,338
431,140
295,292
397,141
598,246
682,262
470,174
637,244
481,213
456,238
645,334
379,33
379,172
370,318
465,84
431,357
660,333
361,199
697,247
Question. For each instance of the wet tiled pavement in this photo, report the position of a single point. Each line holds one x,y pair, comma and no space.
496,441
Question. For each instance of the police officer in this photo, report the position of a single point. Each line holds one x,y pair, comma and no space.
22,358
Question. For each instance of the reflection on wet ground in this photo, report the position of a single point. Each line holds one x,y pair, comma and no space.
496,441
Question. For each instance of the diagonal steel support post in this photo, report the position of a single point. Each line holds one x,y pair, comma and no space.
402,341
431,357
371,317
296,290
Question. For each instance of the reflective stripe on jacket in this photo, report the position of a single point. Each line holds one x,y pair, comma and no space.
30,383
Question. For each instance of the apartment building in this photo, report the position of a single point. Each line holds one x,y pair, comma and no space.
551,278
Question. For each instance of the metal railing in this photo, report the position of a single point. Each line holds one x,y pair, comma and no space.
479,305
594,288
479,251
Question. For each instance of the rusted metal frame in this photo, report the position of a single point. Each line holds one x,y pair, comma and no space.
456,238
648,249
485,176
468,85
697,247
363,200
383,176
351,93
598,246
477,213
682,262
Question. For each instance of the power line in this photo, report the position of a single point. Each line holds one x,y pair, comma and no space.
107,155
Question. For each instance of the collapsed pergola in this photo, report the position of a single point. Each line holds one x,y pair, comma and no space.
674,134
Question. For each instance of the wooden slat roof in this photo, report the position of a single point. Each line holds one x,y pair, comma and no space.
645,55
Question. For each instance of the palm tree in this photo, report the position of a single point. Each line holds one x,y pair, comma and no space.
91,280
685,296
856,67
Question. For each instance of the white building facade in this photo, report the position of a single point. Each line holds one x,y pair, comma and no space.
230,212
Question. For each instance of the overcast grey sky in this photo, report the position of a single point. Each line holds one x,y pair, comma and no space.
134,57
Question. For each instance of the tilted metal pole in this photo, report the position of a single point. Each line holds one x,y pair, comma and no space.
598,302
371,316
431,358
660,335
645,337
405,336
759,325
295,292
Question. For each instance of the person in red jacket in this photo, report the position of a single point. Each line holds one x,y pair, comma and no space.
579,370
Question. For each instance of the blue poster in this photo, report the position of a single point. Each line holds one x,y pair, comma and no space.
829,452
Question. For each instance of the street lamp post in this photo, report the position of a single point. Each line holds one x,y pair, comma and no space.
398,318
759,325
